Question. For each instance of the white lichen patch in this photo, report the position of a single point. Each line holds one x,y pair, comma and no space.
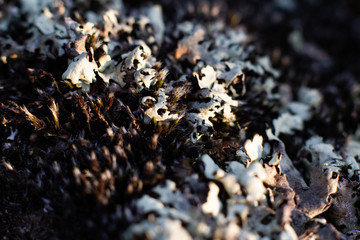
189,47
353,167
34,7
212,103
323,154
231,75
159,111
311,97
287,123
148,77
138,58
206,78
81,71
162,229
212,205
155,16
45,24
352,148
300,109
251,179
213,171
254,147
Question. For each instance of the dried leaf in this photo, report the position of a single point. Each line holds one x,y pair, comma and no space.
316,200
344,211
